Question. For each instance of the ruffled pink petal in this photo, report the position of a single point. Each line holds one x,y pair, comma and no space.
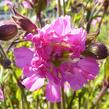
23,56
58,26
33,83
29,37
77,39
62,25
53,92
53,78
28,71
67,25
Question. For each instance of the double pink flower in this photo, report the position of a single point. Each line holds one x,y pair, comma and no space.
56,59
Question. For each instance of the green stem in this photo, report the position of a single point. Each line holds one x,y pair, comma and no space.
39,19
59,8
63,99
24,102
11,106
13,44
4,96
79,102
64,7
50,105
100,95
59,105
70,104
2,52
37,103
102,92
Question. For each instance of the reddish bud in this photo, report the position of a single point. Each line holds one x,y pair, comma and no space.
7,32
106,4
99,50
24,22
27,25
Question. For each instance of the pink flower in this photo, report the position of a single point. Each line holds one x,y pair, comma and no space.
56,59
7,2
26,4
95,21
1,95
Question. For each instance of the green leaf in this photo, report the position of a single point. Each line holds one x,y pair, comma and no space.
18,72
37,93
106,68
18,94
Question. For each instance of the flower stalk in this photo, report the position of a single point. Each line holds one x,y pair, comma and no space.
64,12
59,8
71,101
50,105
63,99
101,94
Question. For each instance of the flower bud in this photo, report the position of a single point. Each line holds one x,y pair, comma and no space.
27,25
7,32
5,63
99,50
106,4
24,22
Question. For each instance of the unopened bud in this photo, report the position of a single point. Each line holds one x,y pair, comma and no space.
24,22
5,63
27,25
7,32
99,50
106,4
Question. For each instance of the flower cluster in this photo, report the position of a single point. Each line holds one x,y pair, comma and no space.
56,59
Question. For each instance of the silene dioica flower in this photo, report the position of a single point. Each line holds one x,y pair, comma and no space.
56,59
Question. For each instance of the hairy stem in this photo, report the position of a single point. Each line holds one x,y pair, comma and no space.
64,7
70,104
100,95
63,99
4,96
59,105
50,105
59,8
2,52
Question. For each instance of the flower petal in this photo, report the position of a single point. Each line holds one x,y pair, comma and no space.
74,75
62,25
23,56
78,79
53,92
33,83
76,39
